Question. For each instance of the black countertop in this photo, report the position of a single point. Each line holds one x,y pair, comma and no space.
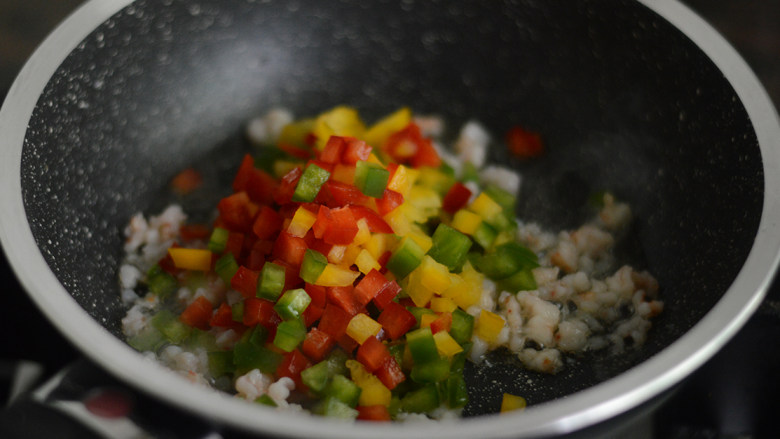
736,394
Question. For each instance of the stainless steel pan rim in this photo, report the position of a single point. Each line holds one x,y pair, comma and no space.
577,411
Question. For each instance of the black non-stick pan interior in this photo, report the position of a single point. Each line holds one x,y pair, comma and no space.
623,100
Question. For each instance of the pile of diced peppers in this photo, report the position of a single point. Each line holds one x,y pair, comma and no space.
356,252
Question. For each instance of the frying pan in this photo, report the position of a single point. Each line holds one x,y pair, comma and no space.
638,97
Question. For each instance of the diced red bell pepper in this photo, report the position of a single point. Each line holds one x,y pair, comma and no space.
234,244
197,314
317,293
261,187
256,257
333,150
317,344
322,222
409,146
369,287
223,317
390,373
442,323
235,211
318,244
342,194
291,278
347,343
376,224
186,181
287,186
342,227
372,354
377,413
190,232
389,201
245,282
334,321
524,144
244,173
260,312
166,263
290,249
386,294
355,150
295,151
396,320
312,314
344,298
293,363
267,223
456,198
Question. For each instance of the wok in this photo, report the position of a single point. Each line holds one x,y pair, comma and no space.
642,98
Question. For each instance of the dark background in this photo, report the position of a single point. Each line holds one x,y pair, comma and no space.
736,394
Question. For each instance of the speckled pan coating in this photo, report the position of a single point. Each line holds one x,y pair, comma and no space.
624,100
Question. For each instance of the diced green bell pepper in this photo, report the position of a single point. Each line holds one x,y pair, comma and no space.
433,371
418,312
226,267
371,178
485,235
160,282
462,326
218,240
450,247
289,334
506,260
405,258
309,184
523,280
264,399
313,265
248,356
457,392
334,408
422,346
506,200
343,389
316,377
422,400
237,310
270,282
170,326
292,304
148,339
220,363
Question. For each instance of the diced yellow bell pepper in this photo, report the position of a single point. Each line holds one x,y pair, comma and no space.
343,173
191,258
340,121
365,262
350,254
489,326
465,288
282,167
295,133
426,200
378,133
512,402
443,304
427,319
466,222
485,207
372,391
372,158
363,234
398,221
420,238
403,179
378,244
446,345
419,294
336,254
337,276
434,275
301,222
361,326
